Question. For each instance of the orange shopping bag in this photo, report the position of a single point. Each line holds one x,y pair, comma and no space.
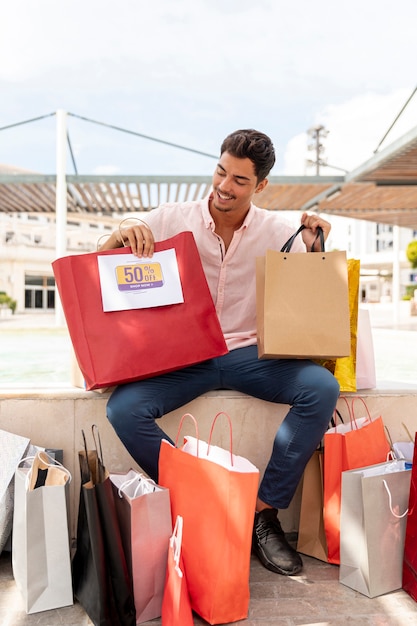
176,607
215,492
358,443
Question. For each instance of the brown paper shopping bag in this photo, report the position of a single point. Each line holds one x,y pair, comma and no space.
311,535
296,292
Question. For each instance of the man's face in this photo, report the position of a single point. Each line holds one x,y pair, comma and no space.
234,184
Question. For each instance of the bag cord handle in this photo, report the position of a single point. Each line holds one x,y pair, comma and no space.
319,235
230,431
176,542
390,502
180,426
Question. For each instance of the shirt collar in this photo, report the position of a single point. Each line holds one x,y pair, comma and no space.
208,219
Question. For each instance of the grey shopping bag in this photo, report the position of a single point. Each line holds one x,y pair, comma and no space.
144,513
13,448
40,547
372,527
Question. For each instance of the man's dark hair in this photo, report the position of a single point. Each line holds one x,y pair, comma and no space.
254,145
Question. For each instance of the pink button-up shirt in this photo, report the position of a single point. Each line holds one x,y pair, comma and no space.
231,275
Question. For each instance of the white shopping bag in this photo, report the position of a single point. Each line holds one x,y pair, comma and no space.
40,547
372,527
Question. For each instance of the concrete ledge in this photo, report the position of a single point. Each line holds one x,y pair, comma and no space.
55,417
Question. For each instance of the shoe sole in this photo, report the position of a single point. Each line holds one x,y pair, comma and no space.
274,568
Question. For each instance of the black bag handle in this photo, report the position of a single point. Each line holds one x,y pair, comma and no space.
319,235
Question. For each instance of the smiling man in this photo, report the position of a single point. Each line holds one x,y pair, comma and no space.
230,232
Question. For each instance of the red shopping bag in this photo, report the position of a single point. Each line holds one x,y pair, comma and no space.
116,347
176,607
215,492
358,443
409,582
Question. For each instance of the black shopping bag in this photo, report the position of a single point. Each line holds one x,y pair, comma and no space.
101,581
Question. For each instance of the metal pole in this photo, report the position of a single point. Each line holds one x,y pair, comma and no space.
61,201
396,275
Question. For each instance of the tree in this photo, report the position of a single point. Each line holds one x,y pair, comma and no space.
411,253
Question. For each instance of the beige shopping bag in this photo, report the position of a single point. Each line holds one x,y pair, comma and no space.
40,546
302,305
144,514
372,527
311,535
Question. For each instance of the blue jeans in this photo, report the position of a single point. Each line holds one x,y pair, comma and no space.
309,389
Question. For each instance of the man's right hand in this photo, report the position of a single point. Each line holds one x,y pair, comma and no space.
139,237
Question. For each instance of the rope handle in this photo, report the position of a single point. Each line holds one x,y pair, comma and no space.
140,481
390,501
180,426
230,430
211,432
337,413
125,245
97,444
319,235
353,409
47,461
176,542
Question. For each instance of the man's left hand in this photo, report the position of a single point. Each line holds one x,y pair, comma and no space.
311,223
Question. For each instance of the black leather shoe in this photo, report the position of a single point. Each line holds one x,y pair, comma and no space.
271,547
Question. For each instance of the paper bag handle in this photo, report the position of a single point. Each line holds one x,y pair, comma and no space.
353,409
176,543
180,426
125,245
337,413
319,235
390,502
230,430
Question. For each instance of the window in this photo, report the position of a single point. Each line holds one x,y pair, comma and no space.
39,292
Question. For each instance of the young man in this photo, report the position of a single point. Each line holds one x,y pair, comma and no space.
230,232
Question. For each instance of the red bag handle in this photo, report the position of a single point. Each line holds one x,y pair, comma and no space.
231,435
211,432
180,426
336,413
364,404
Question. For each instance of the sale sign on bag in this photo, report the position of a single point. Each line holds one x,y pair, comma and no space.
120,346
128,282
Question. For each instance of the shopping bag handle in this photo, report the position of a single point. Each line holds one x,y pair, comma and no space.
96,437
180,426
337,413
230,431
384,482
319,235
366,408
211,432
125,245
48,461
176,542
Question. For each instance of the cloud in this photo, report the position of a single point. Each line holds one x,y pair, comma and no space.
355,128
191,71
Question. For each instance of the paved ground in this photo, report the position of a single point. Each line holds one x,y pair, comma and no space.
315,597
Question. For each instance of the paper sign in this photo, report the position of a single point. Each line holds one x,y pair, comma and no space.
128,282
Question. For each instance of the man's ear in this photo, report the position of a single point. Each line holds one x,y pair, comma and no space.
261,186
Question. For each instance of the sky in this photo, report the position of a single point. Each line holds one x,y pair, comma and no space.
188,72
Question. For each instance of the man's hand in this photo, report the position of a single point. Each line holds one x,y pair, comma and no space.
139,237
311,223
